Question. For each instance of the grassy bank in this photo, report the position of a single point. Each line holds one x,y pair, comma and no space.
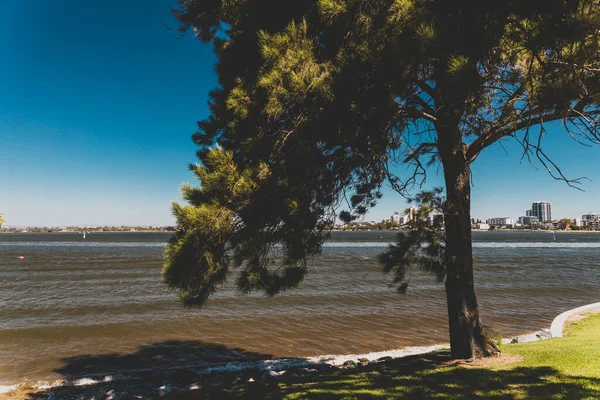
561,368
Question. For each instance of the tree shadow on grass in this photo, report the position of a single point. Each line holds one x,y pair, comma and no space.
152,370
170,364
420,377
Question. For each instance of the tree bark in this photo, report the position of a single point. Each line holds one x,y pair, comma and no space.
467,337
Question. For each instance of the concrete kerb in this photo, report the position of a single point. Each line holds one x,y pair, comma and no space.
556,329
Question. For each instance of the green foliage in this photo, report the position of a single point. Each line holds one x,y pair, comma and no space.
239,101
320,100
567,223
423,245
400,11
290,72
204,228
330,9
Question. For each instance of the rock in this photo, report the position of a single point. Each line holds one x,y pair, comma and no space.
386,358
324,367
194,386
362,364
92,393
270,374
530,337
321,367
164,389
349,364
364,360
251,373
543,335
251,380
305,370
112,395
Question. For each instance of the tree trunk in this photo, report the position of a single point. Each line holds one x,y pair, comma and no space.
467,338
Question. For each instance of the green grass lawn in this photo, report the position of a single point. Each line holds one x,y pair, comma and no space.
560,368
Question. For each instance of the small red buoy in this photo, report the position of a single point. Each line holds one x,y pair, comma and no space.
21,257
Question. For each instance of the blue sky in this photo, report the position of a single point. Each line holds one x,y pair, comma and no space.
98,101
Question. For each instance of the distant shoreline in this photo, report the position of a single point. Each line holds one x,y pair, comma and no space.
536,230
87,231
171,230
473,230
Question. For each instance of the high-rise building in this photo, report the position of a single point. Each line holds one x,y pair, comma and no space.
542,210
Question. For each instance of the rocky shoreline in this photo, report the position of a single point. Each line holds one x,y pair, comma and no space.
158,383
147,383
151,383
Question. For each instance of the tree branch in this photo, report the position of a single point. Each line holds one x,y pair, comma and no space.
531,119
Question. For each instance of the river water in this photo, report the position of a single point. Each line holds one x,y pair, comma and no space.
72,300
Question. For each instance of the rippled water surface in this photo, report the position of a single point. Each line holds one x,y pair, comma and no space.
71,297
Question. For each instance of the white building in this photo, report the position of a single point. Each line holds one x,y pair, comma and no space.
590,221
410,214
501,221
435,218
404,219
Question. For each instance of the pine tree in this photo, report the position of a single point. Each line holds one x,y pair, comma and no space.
318,100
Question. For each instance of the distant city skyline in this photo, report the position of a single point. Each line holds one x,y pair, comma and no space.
96,115
399,213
